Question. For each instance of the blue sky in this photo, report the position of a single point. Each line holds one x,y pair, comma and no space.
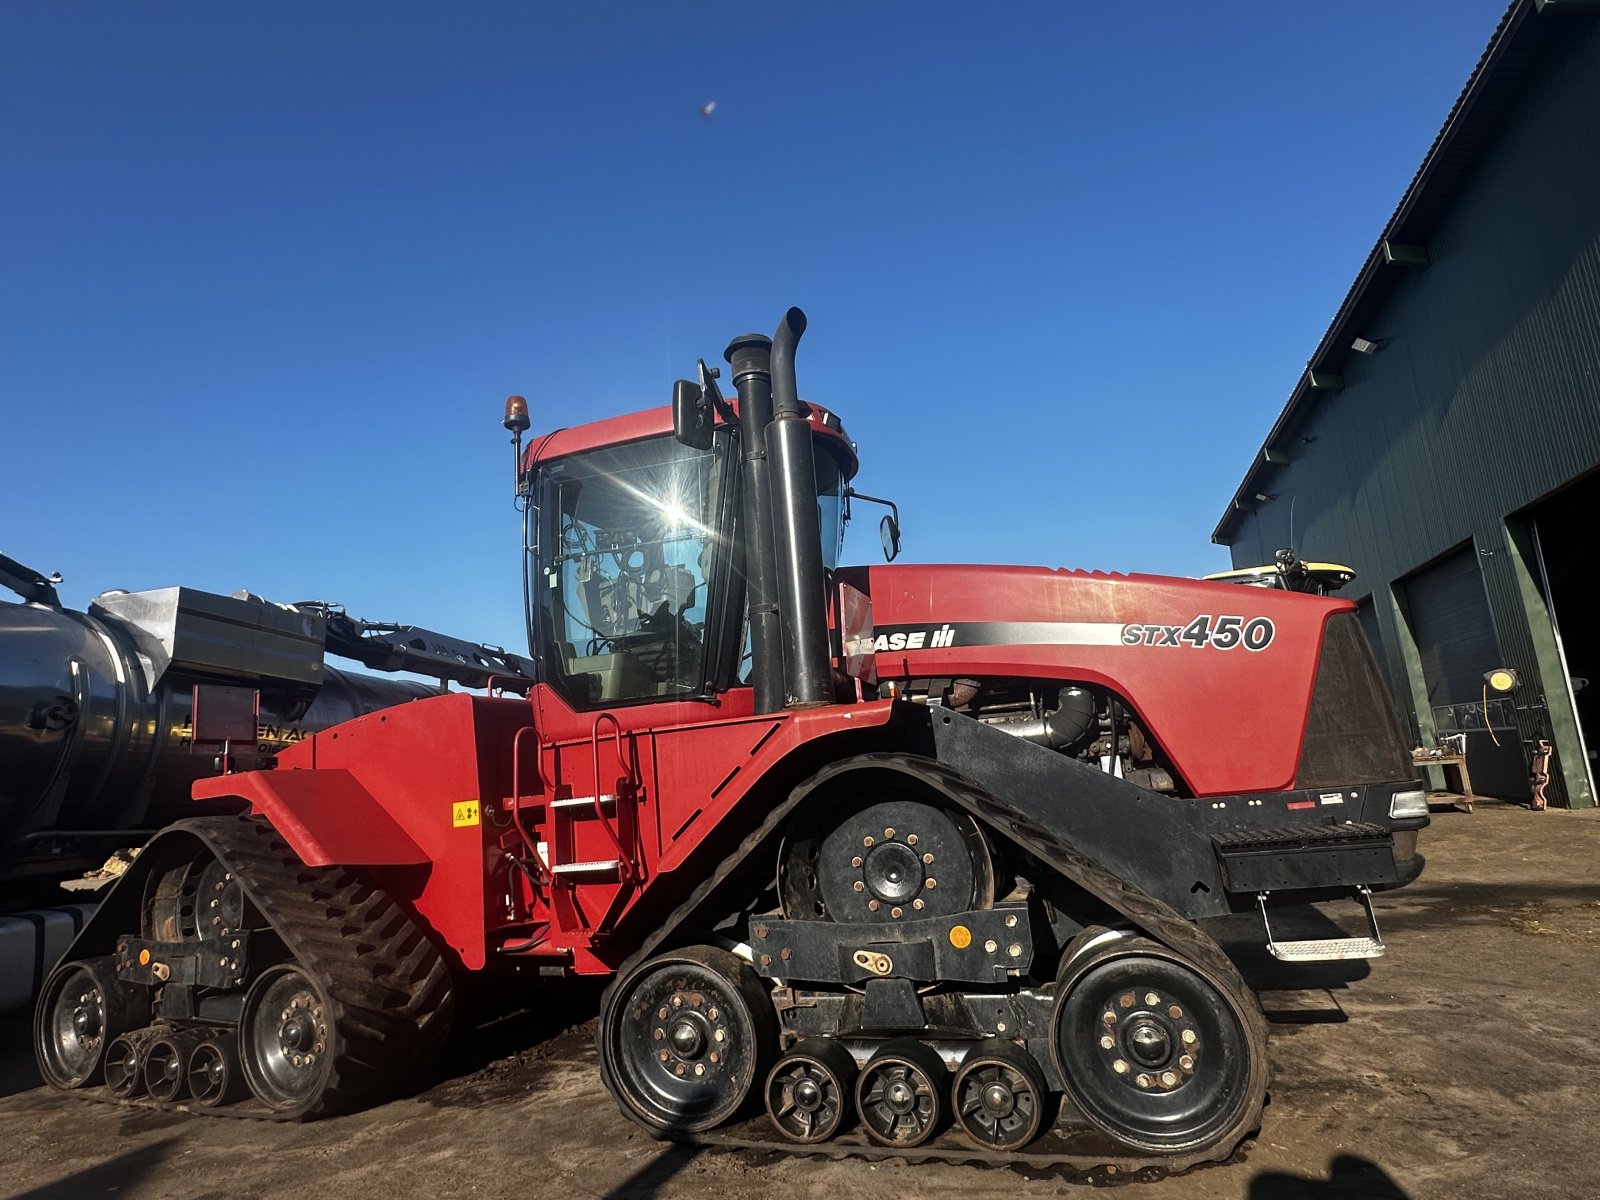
268,271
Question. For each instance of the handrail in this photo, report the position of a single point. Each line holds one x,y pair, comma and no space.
516,791
624,859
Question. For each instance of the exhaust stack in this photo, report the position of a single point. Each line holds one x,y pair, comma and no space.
796,531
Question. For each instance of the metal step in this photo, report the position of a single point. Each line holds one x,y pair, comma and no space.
1327,949
585,868
584,802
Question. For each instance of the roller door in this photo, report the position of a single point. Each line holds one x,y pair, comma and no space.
1448,611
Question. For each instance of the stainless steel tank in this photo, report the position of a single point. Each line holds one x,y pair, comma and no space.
95,714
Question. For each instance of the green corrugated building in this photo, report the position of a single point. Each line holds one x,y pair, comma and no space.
1445,437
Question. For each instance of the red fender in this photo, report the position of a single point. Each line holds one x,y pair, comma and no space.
326,815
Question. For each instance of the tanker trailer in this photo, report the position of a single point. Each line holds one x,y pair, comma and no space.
96,723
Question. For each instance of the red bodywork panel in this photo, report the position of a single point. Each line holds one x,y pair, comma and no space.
422,793
1230,717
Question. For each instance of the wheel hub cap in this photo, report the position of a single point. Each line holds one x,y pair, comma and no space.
893,872
298,1034
86,1021
997,1099
807,1096
1148,1043
900,1097
687,1038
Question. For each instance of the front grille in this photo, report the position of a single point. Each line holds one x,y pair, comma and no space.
1352,736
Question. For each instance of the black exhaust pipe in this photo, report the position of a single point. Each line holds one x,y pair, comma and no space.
797,533
750,356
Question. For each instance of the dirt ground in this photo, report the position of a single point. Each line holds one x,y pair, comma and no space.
1461,1065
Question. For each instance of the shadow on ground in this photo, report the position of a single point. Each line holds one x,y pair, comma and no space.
1350,1177
113,1175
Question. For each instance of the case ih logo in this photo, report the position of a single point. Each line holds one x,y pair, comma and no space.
1218,632
1222,633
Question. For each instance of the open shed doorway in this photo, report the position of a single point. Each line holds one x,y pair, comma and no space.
1569,558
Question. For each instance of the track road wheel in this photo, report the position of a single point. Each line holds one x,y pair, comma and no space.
213,1071
685,1039
287,1040
166,1061
999,1097
811,1090
1158,1055
84,1008
124,1066
900,1095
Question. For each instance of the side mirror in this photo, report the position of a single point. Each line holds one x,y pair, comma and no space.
692,417
889,535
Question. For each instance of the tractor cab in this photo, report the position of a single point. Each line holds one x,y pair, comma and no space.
637,547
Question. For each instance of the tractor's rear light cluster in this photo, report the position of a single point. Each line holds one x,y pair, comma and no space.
1408,804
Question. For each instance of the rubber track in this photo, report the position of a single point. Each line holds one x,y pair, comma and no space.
390,987
1156,919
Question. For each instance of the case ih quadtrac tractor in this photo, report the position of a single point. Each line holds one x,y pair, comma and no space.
911,856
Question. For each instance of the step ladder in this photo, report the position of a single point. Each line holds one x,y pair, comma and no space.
1327,949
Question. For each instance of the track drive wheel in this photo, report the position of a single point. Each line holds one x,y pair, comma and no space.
896,860
811,1090
900,1095
83,1008
1157,1054
685,1039
999,1097
288,1040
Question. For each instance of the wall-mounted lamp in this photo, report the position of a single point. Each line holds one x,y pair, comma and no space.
1263,497
1368,345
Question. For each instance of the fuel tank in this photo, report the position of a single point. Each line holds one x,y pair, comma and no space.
95,715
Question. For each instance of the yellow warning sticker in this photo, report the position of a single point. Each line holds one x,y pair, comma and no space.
464,812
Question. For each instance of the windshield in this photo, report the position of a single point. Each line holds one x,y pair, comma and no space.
628,538
830,507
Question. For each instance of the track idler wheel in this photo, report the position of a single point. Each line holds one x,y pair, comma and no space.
900,1094
83,1009
999,1097
685,1039
213,1071
1156,1054
285,1047
811,1091
165,1065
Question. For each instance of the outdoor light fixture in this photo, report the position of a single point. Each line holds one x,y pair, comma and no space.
1501,679
1366,345
1265,496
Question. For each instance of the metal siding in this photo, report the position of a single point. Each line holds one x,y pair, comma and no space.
1487,394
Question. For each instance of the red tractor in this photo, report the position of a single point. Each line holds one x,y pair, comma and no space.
912,849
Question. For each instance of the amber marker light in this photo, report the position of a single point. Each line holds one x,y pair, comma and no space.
516,418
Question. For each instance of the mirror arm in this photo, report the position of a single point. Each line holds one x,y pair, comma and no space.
852,494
